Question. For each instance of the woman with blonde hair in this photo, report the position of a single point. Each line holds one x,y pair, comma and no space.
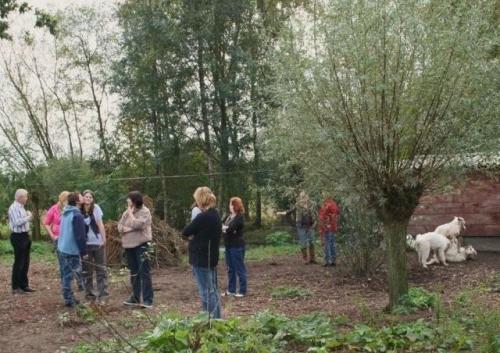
305,219
204,234
52,220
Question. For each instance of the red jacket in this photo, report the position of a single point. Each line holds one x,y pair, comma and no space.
328,215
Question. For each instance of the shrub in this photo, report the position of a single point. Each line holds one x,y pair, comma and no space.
360,239
280,238
416,299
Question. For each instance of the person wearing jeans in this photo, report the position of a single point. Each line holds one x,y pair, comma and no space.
140,276
204,234
305,221
206,280
328,216
71,246
95,260
235,248
135,228
19,220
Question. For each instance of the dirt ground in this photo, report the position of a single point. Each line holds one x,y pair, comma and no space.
38,322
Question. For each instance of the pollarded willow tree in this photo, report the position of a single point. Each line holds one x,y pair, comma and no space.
388,92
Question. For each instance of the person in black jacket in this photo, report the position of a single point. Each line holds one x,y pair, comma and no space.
204,234
235,248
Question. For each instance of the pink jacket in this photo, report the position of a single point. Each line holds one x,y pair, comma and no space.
53,219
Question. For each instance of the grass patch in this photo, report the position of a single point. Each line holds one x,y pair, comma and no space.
261,253
41,251
289,292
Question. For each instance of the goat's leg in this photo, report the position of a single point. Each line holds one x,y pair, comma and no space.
442,257
433,260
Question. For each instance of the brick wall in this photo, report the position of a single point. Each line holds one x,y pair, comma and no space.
477,201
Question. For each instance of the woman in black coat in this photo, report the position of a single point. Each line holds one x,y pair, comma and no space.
235,248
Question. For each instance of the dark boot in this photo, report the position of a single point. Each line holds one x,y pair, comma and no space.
312,256
304,255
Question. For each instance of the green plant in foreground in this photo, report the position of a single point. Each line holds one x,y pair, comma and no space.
416,299
288,292
267,332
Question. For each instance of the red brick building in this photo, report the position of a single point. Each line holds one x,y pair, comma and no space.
477,201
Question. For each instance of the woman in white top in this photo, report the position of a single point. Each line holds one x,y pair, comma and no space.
95,260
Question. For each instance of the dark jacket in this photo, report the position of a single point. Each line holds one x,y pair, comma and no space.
203,247
233,236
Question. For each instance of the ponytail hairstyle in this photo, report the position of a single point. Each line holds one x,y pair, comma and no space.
62,200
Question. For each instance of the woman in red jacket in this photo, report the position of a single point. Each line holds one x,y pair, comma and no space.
328,215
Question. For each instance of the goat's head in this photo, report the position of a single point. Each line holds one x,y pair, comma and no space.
461,222
470,251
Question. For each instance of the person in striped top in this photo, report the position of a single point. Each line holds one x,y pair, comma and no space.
19,220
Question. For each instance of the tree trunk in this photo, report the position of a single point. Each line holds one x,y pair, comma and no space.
164,196
204,112
36,216
396,260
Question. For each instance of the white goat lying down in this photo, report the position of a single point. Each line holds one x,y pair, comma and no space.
452,254
426,242
452,229
456,254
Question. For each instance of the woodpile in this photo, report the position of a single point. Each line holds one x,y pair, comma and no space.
168,246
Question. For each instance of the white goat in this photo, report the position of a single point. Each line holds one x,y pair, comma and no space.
456,254
452,229
426,242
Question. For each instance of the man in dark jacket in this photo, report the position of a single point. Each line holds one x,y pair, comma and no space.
71,246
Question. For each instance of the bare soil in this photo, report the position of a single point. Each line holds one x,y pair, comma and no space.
38,322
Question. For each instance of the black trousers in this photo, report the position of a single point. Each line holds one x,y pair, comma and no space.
21,243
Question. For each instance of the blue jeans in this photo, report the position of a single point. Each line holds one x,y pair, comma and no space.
78,275
70,265
330,254
140,276
306,237
235,261
206,279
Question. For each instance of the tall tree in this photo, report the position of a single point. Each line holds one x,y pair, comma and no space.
388,100
87,39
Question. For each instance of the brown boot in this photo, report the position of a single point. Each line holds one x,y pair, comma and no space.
312,256
304,255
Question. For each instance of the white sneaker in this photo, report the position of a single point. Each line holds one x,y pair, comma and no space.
239,295
229,294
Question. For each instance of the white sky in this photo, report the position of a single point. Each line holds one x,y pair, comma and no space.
19,24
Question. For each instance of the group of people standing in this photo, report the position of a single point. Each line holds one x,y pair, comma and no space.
308,219
204,235
75,225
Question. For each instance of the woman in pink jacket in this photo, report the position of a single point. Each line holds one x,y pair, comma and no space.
52,221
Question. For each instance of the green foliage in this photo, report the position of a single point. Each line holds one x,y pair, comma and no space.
289,292
42,251
261,253
416,299
267,332
280,238
359,237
